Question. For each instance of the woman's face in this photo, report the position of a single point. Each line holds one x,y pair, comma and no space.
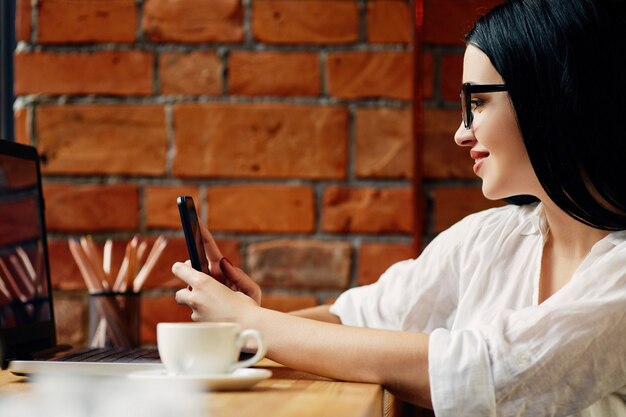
494,140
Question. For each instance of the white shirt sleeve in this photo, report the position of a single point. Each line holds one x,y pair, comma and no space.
554,359
414,295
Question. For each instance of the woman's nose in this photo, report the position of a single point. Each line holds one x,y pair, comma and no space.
464,136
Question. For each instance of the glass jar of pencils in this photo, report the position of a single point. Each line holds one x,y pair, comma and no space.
114,299
114,319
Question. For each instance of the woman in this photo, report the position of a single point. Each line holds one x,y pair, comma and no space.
518,310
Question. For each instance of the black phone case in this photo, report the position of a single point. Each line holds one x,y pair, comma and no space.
187,209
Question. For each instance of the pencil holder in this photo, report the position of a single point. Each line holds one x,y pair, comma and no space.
114,319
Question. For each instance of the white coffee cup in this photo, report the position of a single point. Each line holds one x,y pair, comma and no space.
205,348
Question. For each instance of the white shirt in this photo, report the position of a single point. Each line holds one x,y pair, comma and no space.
493,350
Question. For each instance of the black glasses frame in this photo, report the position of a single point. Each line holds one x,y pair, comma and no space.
465,96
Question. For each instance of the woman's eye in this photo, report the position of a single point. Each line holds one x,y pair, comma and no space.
477,104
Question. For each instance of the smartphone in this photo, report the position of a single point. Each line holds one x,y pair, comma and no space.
193,236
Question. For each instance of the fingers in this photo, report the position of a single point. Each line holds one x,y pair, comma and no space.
230,271
213,254
212,250
240,281
183,297
186,273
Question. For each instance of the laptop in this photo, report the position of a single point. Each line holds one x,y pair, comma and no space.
28,342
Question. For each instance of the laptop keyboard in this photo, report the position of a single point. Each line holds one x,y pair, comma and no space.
125,355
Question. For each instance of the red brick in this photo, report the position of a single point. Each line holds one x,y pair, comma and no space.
428,76
91,208
451,204
71,21
102,139
370,74
21,126
176,251
231,250
23,20
375,258
389,21
195,73
311,22
157,309
447,21
265,140
107,72
161,208
261,208
286,302
193,21
367,210
442,157
274,74
451,76
300,264
384,143
64,273
70,315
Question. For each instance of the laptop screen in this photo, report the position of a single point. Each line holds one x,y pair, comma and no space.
26,315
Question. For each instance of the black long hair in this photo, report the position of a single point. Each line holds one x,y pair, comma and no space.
564,62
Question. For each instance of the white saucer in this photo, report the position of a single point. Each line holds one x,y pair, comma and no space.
239,379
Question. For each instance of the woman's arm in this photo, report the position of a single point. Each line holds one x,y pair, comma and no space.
397,360
319,313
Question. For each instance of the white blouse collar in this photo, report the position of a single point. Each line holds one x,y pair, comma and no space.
536,223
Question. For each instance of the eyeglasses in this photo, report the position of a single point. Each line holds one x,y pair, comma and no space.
466,98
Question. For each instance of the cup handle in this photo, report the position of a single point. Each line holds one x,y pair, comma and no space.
260,351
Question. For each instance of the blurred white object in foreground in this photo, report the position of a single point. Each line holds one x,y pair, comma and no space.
80,396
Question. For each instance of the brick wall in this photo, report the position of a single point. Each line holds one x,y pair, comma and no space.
289,122
451,189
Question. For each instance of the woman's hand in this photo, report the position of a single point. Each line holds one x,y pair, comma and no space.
209,300
220,296
223,270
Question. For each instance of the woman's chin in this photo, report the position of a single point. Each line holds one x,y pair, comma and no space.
492,194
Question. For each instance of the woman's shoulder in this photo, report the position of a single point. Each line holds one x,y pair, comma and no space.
488,229
525,219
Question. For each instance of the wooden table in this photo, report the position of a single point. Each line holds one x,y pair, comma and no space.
288,393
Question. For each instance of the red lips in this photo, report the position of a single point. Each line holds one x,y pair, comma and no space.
478,154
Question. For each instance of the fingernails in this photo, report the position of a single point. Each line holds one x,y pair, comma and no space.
225,260
175,267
